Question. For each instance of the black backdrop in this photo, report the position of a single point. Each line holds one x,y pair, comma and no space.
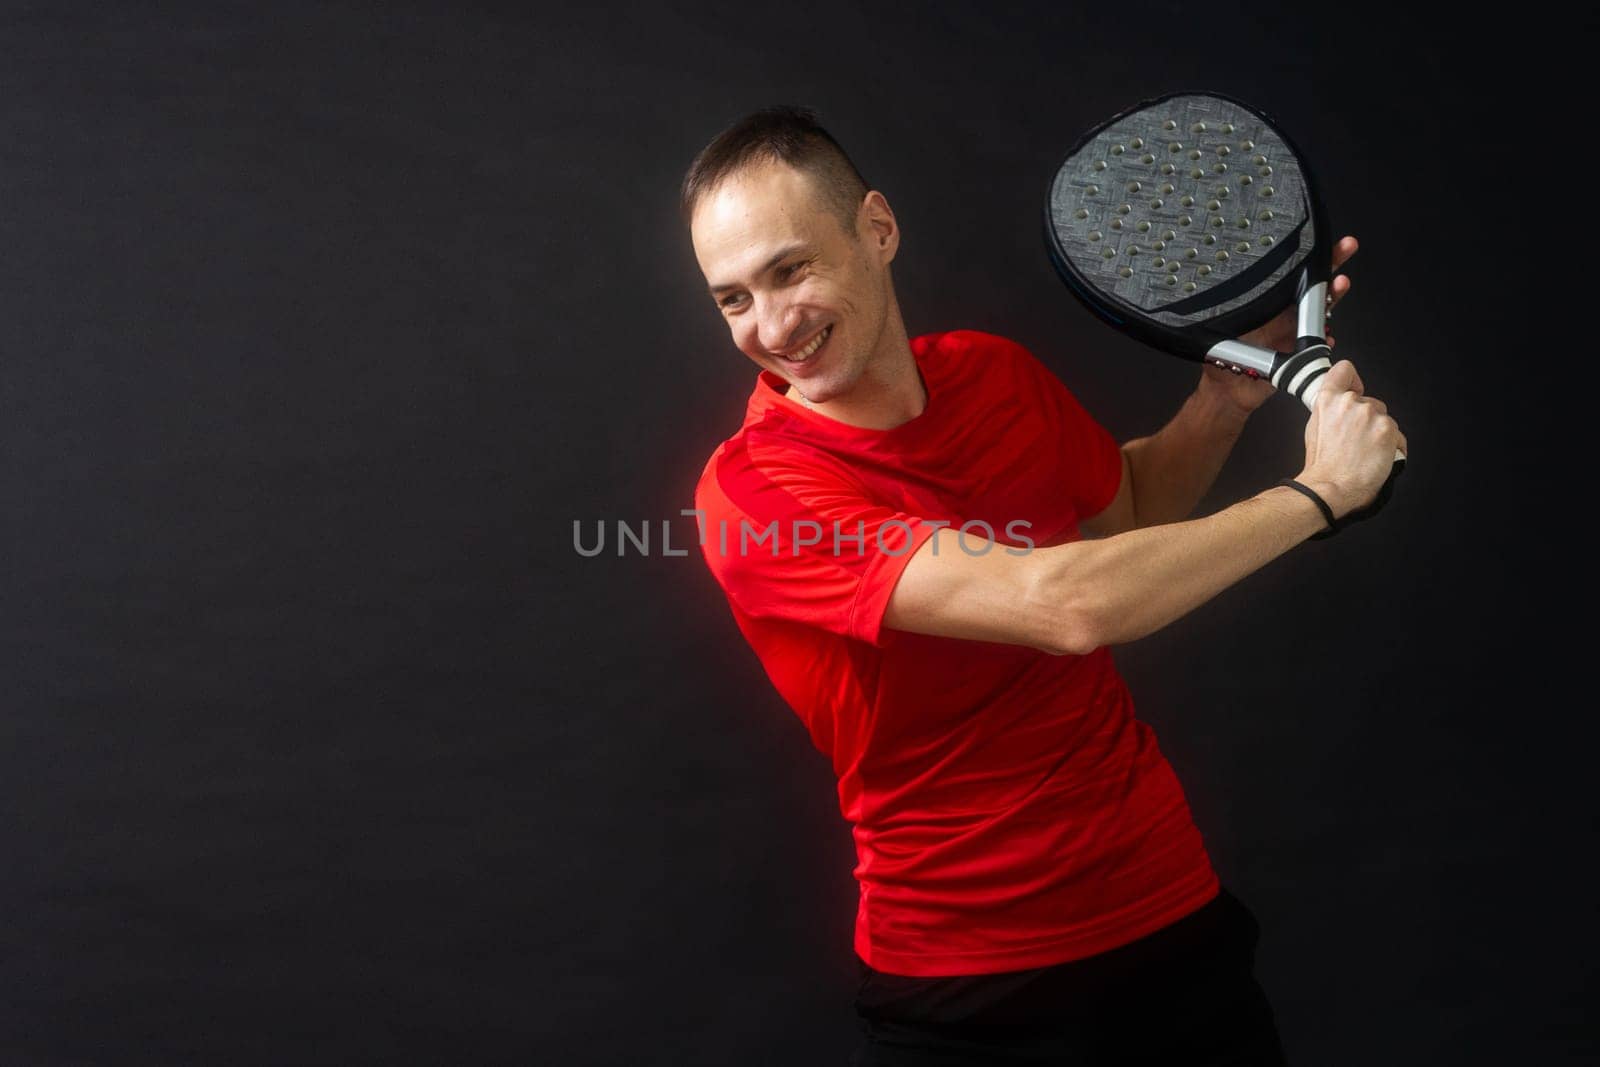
324,324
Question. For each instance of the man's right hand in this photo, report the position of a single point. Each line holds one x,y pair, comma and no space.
1350,442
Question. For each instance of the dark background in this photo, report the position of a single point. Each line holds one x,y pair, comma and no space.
323,325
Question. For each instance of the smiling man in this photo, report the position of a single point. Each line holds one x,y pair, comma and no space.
931,545
844,347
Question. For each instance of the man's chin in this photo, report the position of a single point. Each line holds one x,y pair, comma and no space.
814,390
800,386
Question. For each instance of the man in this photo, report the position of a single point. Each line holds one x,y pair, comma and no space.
899,526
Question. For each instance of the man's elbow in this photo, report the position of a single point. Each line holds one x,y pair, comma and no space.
1071,636
1065,622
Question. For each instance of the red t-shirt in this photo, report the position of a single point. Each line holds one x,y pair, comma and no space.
1008,810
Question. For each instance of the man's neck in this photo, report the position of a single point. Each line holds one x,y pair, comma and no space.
889,392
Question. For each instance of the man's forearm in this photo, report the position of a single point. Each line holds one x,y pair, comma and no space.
1120,588
1173,468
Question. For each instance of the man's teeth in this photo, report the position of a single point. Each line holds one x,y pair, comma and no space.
816,343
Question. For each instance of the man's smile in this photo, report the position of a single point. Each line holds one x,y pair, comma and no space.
811,347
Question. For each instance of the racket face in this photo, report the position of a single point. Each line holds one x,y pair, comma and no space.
1186,220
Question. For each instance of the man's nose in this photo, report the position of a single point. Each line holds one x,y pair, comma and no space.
778,320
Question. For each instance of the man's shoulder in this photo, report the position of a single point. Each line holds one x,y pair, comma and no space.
967,339
972,348
734,447
980,363
971,335
761,458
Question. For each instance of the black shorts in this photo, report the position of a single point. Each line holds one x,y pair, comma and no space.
1184,995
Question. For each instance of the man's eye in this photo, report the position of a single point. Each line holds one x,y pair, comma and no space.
784,274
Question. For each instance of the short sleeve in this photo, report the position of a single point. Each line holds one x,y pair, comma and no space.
789,533
1095,467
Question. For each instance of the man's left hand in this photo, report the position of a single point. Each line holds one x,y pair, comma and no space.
1241,394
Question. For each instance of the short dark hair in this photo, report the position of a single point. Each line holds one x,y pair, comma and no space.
784,133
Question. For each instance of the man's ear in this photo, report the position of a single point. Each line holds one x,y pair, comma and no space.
882,230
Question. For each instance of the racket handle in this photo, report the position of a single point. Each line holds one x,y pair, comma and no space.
1302,376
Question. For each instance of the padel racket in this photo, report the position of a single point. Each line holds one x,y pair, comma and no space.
1189,219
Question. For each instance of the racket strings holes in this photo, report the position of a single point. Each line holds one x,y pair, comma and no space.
1189,162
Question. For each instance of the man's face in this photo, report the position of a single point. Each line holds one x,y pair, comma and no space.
784,272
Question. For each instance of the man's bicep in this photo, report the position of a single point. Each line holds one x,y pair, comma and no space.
946,591
1117,516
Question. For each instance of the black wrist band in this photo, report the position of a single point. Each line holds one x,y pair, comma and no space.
1327,512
